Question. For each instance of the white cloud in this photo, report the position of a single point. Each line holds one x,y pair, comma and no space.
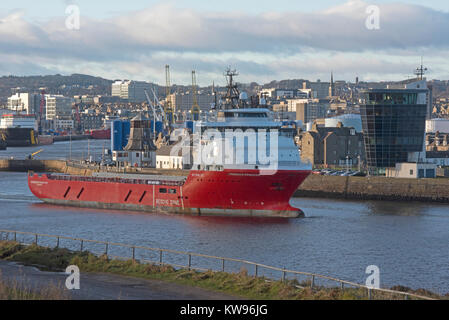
267,45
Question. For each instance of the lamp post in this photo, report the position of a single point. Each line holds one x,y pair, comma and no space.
70,152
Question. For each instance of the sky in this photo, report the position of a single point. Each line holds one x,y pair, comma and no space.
264,40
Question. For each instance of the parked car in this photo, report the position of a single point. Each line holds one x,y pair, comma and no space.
358,174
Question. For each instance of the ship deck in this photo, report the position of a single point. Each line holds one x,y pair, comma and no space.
124,178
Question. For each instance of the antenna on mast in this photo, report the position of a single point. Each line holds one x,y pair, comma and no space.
231,99
195,107
420,71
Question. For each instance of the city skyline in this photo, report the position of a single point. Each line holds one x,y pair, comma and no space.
300,40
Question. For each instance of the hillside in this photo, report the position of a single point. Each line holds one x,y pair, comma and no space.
80,84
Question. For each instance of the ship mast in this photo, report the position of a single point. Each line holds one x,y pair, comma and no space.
231,99
420,71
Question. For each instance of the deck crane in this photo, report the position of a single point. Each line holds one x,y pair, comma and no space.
195,107
168,105
31,156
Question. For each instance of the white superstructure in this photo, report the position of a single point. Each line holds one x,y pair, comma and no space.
27,121
246,139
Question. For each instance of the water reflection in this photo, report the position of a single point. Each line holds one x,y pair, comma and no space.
397,208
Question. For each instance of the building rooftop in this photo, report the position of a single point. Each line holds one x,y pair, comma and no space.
166,151
393,90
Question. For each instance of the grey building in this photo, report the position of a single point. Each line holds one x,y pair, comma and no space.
58,106
133,91
393,122
311,109
336,146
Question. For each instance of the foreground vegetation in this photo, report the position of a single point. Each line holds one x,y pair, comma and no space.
13,290
238,284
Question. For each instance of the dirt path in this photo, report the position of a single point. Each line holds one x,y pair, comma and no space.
107,286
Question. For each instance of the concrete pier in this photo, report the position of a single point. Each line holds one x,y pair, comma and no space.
375,188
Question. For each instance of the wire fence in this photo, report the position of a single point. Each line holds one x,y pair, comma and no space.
191,261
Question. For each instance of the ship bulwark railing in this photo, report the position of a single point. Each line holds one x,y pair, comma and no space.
185,260
63,177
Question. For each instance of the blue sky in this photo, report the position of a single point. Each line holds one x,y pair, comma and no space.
108,8
265,39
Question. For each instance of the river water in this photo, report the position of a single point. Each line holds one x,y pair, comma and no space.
408,241
79,149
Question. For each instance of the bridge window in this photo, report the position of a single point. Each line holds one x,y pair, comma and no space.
246,115
172,191
162,190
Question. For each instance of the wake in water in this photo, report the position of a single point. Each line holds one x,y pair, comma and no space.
17,197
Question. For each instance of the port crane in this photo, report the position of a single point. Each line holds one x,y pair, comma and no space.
41,110
159,113
195,107
168,105
153,109
77,118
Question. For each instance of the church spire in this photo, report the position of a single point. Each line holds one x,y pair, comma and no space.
331,86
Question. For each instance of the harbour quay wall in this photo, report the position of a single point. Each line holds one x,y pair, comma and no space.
41,166
375,188
73,137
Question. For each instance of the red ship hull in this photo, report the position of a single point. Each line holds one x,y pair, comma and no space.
101,134
222,193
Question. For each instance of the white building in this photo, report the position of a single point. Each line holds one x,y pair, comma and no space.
275,93
133,158
184,101
440,125
63,124
166,159
412,170
24,102
133,91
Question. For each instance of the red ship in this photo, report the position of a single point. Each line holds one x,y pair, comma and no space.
103,134
225,193
223,188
